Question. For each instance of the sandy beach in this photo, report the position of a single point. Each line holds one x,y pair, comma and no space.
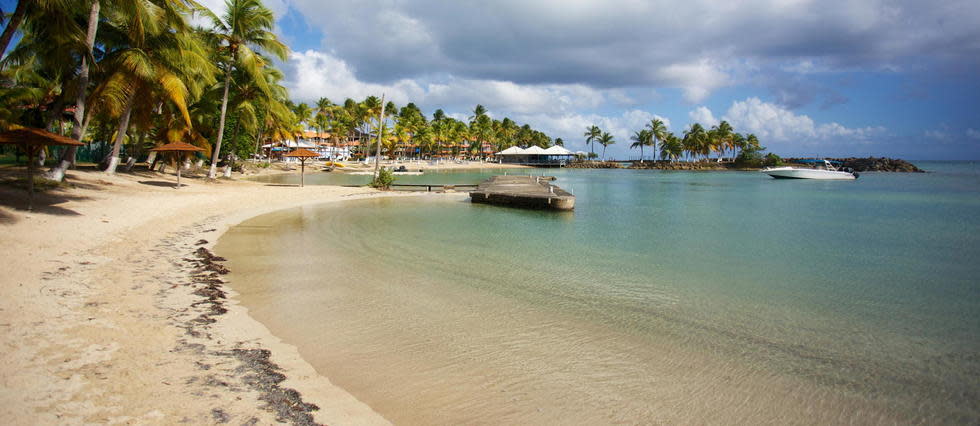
111,310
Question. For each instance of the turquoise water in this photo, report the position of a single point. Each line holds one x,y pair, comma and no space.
672,297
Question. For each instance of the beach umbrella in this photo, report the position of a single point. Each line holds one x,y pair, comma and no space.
32,140
302,155
180,148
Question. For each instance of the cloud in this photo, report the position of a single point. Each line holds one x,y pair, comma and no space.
938,135
772,122
314,74
973,133
703,115
697,46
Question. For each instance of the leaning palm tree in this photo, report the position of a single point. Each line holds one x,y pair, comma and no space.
640,139
605,140
246,26
658,132
592,134
161,58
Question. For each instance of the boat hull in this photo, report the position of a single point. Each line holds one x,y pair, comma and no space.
794,173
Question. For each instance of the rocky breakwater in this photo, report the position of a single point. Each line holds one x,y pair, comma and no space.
873,164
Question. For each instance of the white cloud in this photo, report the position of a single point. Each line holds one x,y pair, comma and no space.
697,79
703,115
973,133
938,135
773,122
314,74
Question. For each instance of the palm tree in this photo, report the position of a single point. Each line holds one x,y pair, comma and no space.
722,136
28,9
244,27
81,92
658,132
640,139
605,140
591,135
671,147
696,140
161,59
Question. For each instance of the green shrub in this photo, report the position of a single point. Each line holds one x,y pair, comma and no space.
384,179
772,160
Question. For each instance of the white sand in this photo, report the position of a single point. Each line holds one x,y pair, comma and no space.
95,301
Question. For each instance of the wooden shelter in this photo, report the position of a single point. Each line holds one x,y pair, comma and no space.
32,140
179,149
302,155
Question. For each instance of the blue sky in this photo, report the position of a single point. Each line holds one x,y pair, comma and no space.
812,78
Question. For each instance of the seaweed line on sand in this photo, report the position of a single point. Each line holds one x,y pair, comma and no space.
255,369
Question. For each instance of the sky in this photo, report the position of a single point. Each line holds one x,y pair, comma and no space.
897,78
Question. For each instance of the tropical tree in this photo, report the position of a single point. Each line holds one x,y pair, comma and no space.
696,140
159,58
722,136
671,147
605,140
592,134
246,26
640,139
658,132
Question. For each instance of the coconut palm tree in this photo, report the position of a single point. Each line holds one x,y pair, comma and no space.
675,147
722,136
161,58
29,9
696,140
592,134
246,26
658,132
605,140
640,139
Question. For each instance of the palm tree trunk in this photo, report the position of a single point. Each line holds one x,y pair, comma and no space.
641,152
12,25
377,157
120,135
79,121
221,127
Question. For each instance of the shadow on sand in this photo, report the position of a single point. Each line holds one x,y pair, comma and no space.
161,183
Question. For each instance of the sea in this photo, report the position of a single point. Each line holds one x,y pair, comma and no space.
665,297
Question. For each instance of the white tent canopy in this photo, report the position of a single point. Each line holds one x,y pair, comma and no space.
558,150
535,150
514,150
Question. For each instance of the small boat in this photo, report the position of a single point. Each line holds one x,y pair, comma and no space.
829,172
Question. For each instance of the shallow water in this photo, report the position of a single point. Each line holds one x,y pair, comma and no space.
692,297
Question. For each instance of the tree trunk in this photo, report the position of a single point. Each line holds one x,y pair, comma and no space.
79,121
120,135
377,158
234,137
12,25
641,152
213,173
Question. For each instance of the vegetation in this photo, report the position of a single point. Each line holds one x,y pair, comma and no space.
124,76
383,180
696,144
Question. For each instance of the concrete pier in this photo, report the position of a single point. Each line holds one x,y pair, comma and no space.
535,192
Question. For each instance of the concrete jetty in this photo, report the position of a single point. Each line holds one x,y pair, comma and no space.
535,192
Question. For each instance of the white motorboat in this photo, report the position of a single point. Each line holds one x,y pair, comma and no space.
828,172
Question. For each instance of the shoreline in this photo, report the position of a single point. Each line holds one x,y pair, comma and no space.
106,323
